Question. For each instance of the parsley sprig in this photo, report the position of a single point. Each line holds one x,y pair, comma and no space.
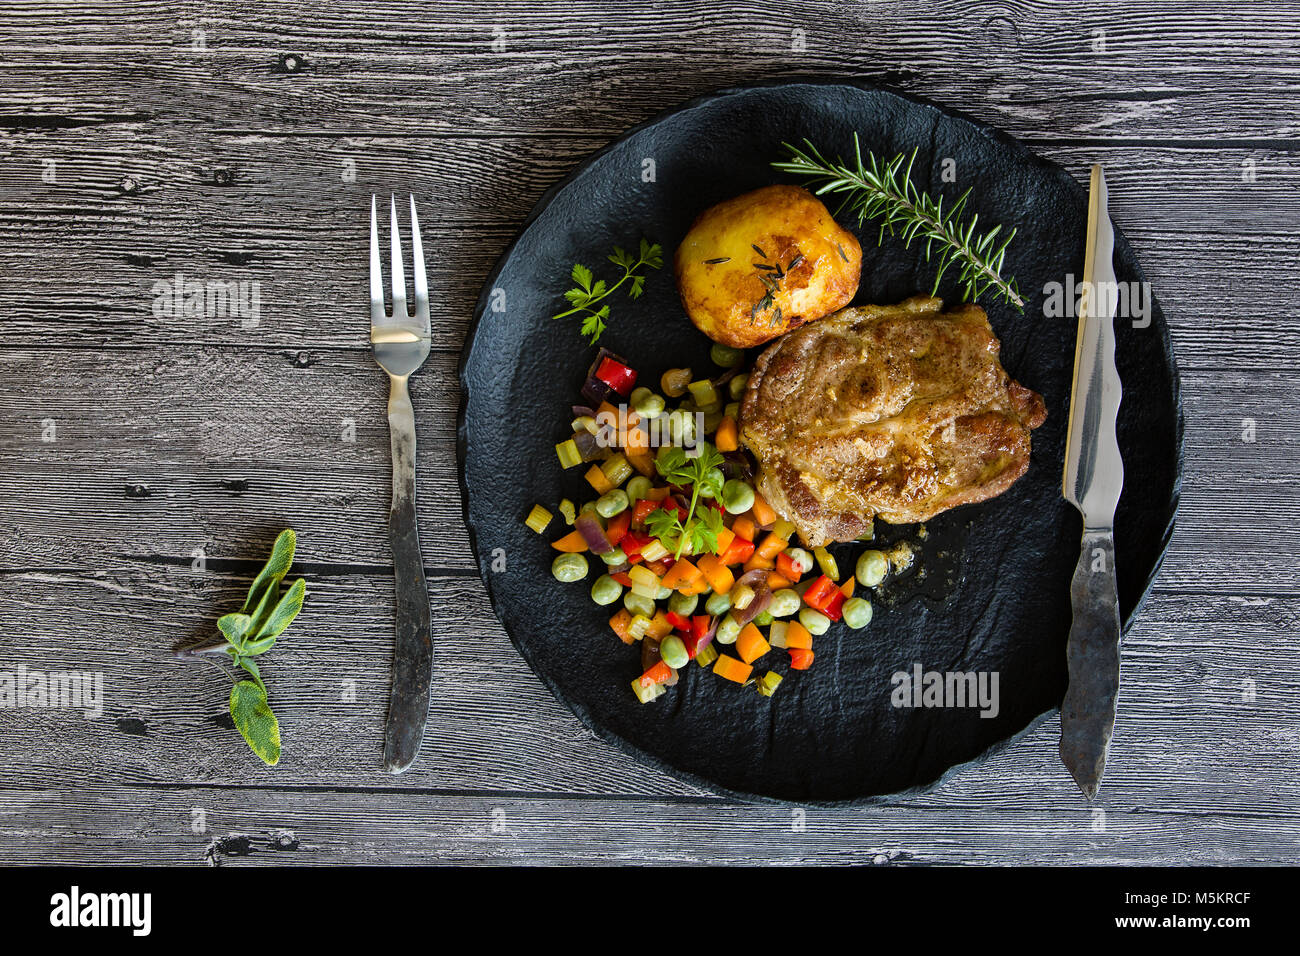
588,291
703,521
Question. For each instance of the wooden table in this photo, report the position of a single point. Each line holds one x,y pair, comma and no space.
146,462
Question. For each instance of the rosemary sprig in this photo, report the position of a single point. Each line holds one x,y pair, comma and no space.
876,189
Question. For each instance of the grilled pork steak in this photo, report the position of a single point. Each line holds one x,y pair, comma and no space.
899,412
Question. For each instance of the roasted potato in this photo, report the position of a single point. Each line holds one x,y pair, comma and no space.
754,267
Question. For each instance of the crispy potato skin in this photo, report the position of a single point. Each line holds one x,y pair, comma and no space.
785,222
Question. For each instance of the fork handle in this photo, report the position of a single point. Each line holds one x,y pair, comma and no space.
413,650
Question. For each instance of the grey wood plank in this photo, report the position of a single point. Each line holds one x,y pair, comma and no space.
1205,722
264,827
183,449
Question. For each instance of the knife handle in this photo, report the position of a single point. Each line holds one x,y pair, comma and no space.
413,649
1092,655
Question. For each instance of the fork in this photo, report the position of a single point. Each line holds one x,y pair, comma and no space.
400,345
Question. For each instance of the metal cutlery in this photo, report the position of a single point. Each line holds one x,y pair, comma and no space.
400,345
1094,478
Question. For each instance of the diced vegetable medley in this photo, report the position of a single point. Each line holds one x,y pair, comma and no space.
697,566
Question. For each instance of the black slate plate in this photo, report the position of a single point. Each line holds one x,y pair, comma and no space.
994,597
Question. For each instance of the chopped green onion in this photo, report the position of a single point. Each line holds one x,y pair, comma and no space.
704,393
568,453
538,519
706,655
768,683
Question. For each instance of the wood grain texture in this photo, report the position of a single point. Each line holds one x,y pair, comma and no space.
241,142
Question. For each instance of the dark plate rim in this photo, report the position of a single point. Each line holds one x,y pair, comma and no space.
622,744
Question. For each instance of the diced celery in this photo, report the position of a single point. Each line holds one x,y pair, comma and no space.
617,470
776,634
647,694
637,628
640,574
567,510
783,529
703,392
568,453
826,561
585,423
707,655
538,519
654,551
768,683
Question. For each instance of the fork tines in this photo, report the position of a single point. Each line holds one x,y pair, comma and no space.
400,316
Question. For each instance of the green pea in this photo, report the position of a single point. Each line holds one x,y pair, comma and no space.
569,567
728,630
719,604
611,503
614,558
815,621
586,507
606,590
636,604
784,603
683,604
763,619
673,652
725,355
872,568
638,487
663,594
857,613
646,403
737,496
736,387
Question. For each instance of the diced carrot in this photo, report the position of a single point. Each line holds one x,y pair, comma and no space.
698,586
725,537
750,644
775,582
683,572
797,636
641,460
847,587
772,545
727,437
763,512
596,478
800,658
744,527
657,674
620,622
716,573
732,669
572,542
759,564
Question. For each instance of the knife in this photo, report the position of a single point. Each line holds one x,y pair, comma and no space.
1094,477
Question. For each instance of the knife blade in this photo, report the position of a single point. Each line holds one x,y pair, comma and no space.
1093,480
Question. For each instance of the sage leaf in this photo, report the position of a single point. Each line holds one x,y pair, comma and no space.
277,566
255,721
234,627
285,611
252,668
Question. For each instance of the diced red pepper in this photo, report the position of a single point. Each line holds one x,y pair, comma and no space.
678,622
632,544
622,578
700,625
801,658
657,674
739,551
819,593
618,526
642,509
834,606
616,375
785,567
692,645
